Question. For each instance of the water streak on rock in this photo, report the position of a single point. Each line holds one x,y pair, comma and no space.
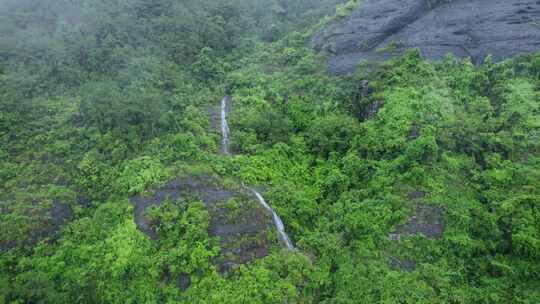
277,220
224,126
225,148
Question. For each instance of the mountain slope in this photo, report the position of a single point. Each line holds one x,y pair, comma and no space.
409,181
378,30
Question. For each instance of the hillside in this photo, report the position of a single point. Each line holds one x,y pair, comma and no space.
379,30
201,151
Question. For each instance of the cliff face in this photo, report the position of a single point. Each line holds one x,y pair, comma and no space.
380,29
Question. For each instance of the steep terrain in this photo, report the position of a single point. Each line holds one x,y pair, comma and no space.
225,131
378,30
235,218
124,180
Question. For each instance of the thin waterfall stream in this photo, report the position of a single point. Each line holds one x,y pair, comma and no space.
225,147
224,126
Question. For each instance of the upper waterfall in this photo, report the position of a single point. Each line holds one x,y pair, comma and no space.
284,238
224,126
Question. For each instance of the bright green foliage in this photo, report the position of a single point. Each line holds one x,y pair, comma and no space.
94,175
332,134
464,136
345,9
100,259
105,101
207,67
278,278
140,173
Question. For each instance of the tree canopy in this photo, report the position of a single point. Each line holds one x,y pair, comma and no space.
406,182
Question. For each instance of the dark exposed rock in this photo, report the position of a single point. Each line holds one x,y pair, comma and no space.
215,118
365,107
426,220
6,245
84,200
242,238
371,109
61,213
417,195
380,29
402,264
414,133
184,281
141,203
48,222
364,89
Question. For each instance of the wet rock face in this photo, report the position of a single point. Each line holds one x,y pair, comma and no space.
380,29
427,220
243,235
47,224
402,264
61,213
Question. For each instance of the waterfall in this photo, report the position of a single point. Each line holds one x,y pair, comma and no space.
277,220
225,148
224,126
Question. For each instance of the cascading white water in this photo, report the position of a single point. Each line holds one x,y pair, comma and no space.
277,220
225,147
224,126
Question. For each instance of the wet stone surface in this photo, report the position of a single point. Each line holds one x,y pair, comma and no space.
427,220
381,29
243,236
48,222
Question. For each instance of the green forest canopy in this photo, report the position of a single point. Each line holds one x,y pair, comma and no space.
104,100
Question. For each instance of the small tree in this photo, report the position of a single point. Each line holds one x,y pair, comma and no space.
207,67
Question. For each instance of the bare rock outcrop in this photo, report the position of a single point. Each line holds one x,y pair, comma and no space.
243,233
380,29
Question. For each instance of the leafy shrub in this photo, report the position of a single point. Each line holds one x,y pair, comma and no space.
331,133
344,10
140,173
95,176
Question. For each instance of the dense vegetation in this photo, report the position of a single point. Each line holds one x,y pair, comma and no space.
102,100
